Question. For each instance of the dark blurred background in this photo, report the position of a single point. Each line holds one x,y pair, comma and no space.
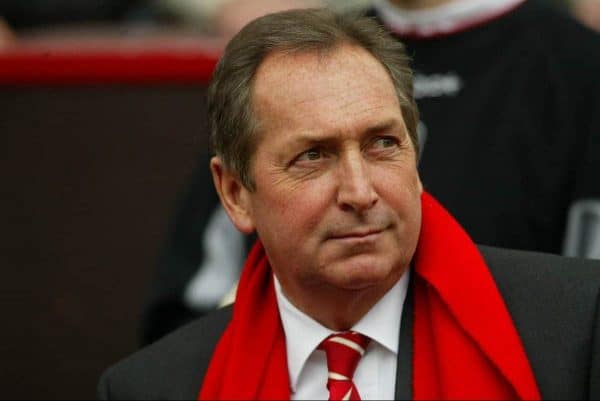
101,122
89,178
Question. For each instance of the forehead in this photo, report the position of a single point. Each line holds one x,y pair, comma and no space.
311,90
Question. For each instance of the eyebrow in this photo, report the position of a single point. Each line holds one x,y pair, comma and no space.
386,125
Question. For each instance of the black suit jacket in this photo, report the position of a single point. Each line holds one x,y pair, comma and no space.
554,302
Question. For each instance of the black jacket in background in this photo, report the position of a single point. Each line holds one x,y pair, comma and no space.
511,111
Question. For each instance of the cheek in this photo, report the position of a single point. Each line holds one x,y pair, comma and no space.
403,197
296,212
400,187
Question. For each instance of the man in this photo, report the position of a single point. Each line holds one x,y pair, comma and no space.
361,285
509,96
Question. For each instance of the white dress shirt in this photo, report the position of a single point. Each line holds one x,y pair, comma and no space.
375,376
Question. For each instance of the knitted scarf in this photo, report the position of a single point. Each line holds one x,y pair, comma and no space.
465,345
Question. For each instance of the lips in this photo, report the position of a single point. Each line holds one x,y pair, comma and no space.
357,234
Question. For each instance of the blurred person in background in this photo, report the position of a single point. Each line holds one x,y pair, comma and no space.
511,88
225,17
509,94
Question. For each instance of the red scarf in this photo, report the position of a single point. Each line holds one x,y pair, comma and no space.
465,343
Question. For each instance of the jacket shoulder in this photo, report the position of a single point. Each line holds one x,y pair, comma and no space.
550,282
554,303
541,268
171,368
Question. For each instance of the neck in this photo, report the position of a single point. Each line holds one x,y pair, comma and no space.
418,4
335,308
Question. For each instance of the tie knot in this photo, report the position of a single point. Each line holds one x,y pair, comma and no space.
344,350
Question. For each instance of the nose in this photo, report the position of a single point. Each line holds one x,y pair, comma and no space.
356,191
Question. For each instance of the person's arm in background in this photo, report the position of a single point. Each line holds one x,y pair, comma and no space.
6,35
587,12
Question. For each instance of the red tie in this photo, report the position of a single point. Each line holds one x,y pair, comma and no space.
343,350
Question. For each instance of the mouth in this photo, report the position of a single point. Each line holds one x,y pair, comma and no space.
357,235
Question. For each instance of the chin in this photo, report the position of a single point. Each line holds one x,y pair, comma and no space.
363,271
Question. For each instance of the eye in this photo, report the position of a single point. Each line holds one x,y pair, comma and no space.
310,155
384,142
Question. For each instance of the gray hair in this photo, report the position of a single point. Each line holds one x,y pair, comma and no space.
233,124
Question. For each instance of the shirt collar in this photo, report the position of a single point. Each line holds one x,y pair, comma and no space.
304,334
445,19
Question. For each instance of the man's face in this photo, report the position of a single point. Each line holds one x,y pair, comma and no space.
337,196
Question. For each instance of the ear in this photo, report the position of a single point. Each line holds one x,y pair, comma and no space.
235,197
420,184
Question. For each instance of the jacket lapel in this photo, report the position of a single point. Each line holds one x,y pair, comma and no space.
405,349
